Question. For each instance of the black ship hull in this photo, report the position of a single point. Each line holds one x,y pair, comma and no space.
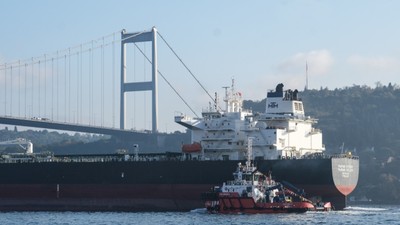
155,185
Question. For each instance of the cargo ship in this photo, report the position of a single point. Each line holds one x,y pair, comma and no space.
284,143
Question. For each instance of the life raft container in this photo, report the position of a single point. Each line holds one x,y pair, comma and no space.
191,148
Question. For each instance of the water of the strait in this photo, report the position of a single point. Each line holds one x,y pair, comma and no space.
351,215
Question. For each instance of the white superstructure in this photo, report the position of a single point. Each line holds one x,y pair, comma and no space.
282,131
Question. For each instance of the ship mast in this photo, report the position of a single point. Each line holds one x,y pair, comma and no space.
233,99
226,97
306,75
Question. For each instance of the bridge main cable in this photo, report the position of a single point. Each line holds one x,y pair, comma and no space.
201,85
165,79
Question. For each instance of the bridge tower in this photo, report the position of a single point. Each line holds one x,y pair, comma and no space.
149,36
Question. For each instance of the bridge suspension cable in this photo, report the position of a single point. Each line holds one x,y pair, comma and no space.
45,85
187,68
5,89
165,79
102,83
113,81
26,65
19,88
11,76
39,86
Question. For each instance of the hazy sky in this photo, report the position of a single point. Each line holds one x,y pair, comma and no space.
258,43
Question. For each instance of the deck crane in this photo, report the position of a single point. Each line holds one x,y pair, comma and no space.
21,142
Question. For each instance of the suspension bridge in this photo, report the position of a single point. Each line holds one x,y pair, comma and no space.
81,88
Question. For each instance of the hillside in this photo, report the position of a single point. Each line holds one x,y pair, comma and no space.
63,143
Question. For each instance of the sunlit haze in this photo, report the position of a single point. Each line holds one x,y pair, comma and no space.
258,43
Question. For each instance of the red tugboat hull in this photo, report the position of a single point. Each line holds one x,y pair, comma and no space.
231,202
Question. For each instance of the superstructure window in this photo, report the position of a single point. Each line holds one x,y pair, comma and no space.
296,106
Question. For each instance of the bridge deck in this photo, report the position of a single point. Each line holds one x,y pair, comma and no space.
48,124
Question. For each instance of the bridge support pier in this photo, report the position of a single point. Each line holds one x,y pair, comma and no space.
149,36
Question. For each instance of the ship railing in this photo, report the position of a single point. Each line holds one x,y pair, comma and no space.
315,131
26,157
221,138
289,152
219,128
209,149
234,182
345,155
321,155
317,155
25,160
171,156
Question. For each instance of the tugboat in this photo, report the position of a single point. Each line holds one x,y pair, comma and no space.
254,192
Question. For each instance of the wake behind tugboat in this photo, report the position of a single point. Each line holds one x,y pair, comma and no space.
253,192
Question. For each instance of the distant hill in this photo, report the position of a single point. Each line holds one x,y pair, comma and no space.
63,143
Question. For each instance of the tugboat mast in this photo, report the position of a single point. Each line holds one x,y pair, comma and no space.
249,152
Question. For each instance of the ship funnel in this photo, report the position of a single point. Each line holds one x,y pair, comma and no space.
284,102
